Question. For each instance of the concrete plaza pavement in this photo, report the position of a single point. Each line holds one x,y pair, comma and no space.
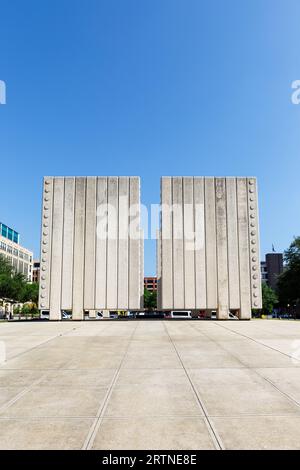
150,385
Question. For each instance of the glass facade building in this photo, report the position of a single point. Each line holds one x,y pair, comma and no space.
19,257
9,233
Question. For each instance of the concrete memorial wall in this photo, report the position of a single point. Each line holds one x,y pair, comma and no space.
91,245
208,248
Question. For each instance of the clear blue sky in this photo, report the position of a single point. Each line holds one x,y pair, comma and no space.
150,88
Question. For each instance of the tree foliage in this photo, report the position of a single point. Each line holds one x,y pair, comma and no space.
288,285
269,298
30,293
150,299
13,285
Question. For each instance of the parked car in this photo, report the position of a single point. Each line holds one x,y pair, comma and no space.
44,315
140,314
187,314
113,315
66,315
232,316
201,314
154,314
285,316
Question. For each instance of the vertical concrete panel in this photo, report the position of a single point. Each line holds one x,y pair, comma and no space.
232,243
101,244
256,296
244,268
222,257
142,269
166,244
78,259
112,244
158,268
200,261
90,244
210,242
68,242
189,243
46,237
178,243
56,254
134,243
123,267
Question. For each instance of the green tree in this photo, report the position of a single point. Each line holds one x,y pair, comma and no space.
269,298
150,299
288,285
8,286
18,283
26,309
12,283
6,268
30,293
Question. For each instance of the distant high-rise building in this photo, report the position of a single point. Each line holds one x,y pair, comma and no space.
19,257
36,271
150,283
271,268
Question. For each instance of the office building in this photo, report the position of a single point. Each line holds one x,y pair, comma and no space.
271,268
150,283
19,257
36,271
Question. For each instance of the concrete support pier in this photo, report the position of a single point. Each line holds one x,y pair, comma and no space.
91,248
208,245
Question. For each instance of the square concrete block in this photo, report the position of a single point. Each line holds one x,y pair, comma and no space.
18,378
33,361
195,359
7,394
84,378
43,434
56,402
152,377
150,433
152,361
287,380
230,392
259,432
253,354
97,361
153,393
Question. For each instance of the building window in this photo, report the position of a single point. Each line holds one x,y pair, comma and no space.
10,234
4,230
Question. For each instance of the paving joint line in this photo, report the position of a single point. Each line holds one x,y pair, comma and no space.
27,389
36,346
99,417
257,342
9,403
245,366
212,431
